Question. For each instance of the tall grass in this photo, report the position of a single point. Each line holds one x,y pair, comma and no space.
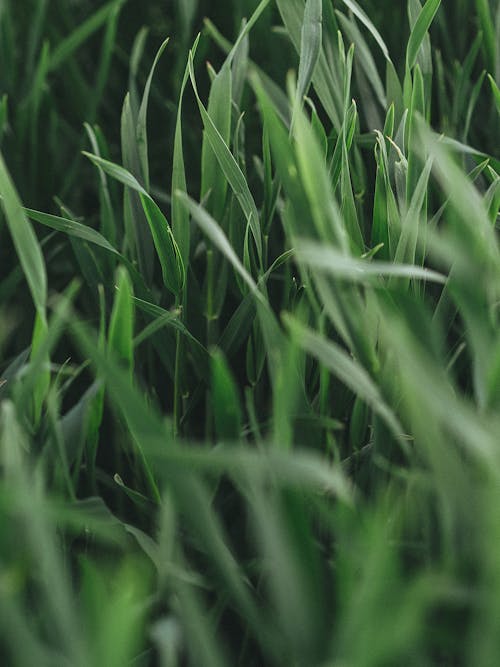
250,342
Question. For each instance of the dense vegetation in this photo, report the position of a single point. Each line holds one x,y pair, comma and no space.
249,333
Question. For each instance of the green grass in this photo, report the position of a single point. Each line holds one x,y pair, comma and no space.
250,334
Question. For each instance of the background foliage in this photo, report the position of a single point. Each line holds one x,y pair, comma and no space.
249,333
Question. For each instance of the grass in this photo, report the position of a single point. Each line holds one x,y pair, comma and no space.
250,341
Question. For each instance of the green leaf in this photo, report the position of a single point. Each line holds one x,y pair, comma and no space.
213,180
225,401
78,230
165,318
328,260
315,179
357,11
71,227
117,172
271,332
121,326
180,216
325,79
490,39
141,129
24,239
230,168
81,34
496,92
166,247
310,45
165,244
348,370
420,29
217,237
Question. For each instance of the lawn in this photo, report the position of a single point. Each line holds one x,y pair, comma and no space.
249,333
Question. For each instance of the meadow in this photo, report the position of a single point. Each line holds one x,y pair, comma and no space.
249,333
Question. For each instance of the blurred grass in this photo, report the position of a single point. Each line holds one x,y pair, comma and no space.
249,337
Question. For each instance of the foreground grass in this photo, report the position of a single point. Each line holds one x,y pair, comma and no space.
250,390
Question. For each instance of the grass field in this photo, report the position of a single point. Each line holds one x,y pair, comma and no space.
249,333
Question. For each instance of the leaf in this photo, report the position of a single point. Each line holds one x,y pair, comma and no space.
326,81
496,92
348,370
217,237
167,250
108,224
310,46
231,169
315,179
71,227
41,380
357,11
121,326
490,39
164,318
70,44
165,244
213,180
180,216
225,401
419,31
141,129
328,260
271,331
364,57
24,239
78,230
117,172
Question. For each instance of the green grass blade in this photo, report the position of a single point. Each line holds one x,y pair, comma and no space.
117,172
24,239
141,129
214,183
70,44
231,169
420,29
490,44
496,92
310,45
121,325
180,216
166,247
164,242
357,11
225,401
70,227
354,376
217,237
328,260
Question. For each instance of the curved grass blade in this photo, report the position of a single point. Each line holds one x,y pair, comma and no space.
420,29
357,11
348,370
70,44
86,233
230,168
310,46
165,244
166,247
24,239
328,260
141,129
71,227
